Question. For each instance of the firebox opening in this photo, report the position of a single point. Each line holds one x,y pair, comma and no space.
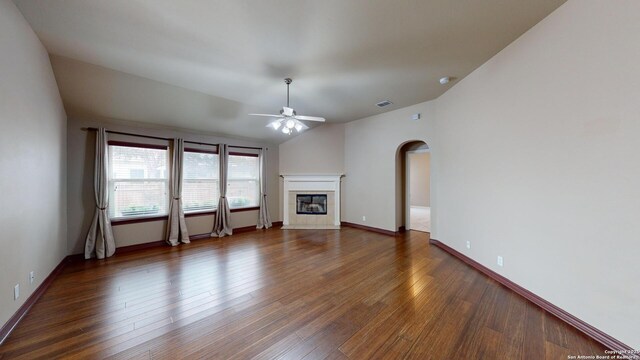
311,204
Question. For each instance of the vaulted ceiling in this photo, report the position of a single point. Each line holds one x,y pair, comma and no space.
204,65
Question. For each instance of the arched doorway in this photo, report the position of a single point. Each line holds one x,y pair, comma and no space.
413,174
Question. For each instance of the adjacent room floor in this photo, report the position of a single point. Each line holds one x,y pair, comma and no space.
340,294
420,218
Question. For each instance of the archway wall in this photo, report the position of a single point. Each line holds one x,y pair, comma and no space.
371,151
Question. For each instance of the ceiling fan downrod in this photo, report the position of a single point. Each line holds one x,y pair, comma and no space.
288,82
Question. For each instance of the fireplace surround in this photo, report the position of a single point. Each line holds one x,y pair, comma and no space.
311,201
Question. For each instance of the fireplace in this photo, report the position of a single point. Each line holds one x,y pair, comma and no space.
311,204
311,201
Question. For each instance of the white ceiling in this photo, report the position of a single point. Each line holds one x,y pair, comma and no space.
203,65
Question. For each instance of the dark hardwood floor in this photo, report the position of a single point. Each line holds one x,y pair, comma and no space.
294,294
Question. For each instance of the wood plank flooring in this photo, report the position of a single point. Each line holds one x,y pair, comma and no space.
294,294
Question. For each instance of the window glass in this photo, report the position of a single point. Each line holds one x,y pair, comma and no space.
243,181
138,181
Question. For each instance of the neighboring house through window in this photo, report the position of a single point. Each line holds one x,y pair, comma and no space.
138,180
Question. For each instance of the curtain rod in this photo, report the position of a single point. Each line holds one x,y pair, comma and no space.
169,139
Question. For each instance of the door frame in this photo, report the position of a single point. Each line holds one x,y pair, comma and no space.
407,184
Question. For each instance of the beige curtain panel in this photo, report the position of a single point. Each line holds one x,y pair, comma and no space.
264,219
222,223
177,227
100,242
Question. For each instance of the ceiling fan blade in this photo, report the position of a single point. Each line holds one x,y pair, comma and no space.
270,115
309,118
287,111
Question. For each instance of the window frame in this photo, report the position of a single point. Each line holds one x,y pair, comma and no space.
122,220
201,151
140,219
251,207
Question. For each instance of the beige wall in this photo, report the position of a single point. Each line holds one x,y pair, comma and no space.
80,183
538,161
316,151
372,178
32,165
365,150
419,178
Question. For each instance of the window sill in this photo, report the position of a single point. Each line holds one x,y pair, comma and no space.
213,212
200,213
251,208
135,220
126,221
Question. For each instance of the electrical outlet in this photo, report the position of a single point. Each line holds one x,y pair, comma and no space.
32,276
16,292
468,244
500,261
364,218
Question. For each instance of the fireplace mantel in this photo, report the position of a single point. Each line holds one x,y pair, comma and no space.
312,183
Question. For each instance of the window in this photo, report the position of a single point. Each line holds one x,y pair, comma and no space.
200,181
243,181
138,180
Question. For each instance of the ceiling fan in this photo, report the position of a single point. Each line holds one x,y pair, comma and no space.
288,118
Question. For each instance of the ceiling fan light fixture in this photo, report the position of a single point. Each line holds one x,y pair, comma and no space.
288,118
287,111
275,124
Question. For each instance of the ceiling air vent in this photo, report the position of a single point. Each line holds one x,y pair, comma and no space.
384,103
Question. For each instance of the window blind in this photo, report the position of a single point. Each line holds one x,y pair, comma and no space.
243,181
200,181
